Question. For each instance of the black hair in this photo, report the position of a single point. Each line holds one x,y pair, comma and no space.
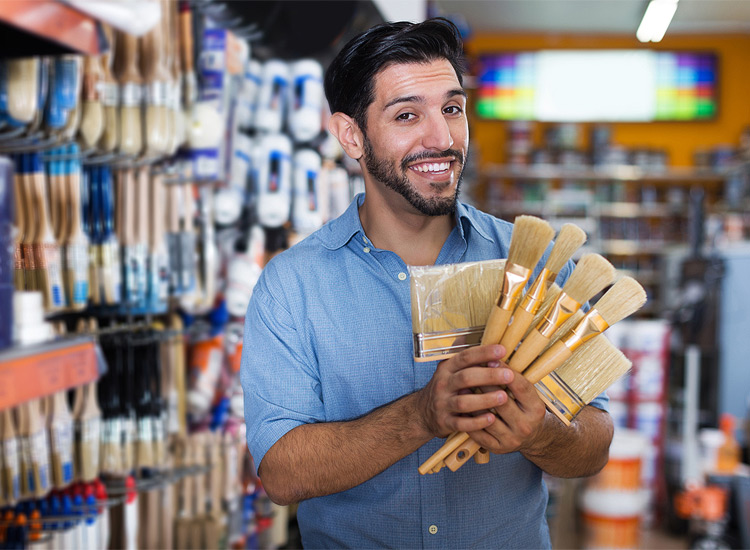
349,80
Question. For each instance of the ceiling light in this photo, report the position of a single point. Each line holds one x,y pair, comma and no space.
655,21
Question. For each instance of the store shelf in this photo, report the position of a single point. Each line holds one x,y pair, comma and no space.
609,174
50,21
638,210
28,372
623,247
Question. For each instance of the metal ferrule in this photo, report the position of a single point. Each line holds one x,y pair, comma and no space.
435,344
533,299
515,278
561,310
591,325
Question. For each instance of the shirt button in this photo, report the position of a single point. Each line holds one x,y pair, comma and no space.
366,249
402,276
433,529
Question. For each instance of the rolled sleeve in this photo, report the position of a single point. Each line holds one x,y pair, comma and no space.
281,387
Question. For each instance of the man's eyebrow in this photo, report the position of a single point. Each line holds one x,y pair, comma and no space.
420,99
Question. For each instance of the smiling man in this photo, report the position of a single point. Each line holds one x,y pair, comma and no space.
339,416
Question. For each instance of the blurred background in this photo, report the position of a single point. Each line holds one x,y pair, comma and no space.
154,155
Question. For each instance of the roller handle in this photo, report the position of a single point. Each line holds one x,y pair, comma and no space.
529,350
521,322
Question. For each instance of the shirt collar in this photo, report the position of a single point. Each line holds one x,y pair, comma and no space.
339,231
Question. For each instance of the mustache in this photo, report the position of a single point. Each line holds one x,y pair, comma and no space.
427,155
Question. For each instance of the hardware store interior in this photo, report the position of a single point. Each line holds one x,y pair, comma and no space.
162,153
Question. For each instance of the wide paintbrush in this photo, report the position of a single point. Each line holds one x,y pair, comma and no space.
528,242
569,239
450,304
591,275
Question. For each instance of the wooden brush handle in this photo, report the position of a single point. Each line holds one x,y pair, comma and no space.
516,330
461,455
129,72
186,39
496,325
555,356
447,448
482,456
529,350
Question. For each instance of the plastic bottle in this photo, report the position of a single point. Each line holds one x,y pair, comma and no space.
728,455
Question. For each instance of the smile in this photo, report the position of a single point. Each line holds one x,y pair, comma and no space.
431,167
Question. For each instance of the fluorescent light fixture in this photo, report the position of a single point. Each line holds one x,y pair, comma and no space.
655,21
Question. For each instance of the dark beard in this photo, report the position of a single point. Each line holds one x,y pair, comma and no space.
385,172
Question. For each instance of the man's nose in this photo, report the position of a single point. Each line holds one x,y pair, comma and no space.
437,134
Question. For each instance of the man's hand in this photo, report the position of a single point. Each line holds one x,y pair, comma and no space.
520,422
447,403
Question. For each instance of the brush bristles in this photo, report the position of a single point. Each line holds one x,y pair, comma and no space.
569,239
590,276
529,240
594,368
624,298
454,296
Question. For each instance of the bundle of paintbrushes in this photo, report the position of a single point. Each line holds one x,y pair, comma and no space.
543,329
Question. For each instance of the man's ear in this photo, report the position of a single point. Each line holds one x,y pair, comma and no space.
347,131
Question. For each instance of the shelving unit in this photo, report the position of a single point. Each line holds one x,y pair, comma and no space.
29,372
630,215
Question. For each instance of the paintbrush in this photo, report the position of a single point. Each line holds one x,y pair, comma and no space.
35,432
155,76
450,304
45,247
590,371
528,242
11,465
131,139
60,427
23,88
29,236
158,259
110,274
624,298
569,239
569,388
110,96
88,423
76,242
92,110
21,223
592,274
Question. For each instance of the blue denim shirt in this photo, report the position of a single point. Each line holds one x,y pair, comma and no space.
328,337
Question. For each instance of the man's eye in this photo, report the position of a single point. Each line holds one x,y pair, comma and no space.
405,116
453,110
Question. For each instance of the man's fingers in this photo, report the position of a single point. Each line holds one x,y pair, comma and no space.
477,355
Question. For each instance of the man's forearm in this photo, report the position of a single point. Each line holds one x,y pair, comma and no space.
320,459
578,450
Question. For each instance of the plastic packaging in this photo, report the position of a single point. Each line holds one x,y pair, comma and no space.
450,304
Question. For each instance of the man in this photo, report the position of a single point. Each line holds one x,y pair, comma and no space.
338,414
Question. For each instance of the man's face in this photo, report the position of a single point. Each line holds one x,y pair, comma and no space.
417,135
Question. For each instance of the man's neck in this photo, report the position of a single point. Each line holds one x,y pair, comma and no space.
417,239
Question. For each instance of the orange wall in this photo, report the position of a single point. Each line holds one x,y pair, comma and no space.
680,139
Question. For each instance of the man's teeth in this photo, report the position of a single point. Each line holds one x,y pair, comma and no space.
432,167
